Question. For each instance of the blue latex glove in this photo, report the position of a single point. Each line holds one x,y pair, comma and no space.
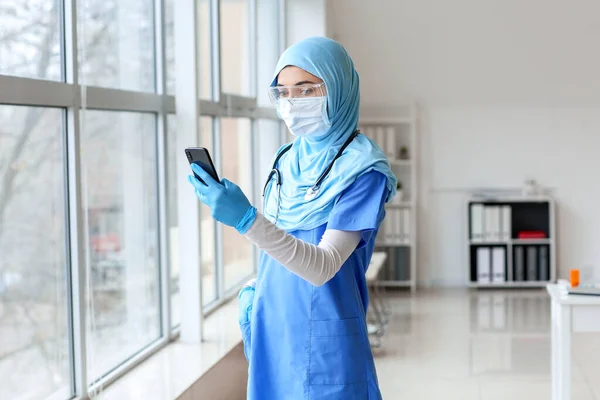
227,202
245,300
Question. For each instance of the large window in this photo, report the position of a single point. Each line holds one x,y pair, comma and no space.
34,346
92,252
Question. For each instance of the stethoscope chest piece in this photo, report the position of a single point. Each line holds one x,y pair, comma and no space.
311,193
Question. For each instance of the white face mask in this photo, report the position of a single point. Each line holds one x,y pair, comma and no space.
304,116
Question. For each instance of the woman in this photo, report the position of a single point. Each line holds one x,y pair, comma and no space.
304,318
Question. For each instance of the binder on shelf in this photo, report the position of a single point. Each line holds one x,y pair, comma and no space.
477,222
381,235
498,265
487,224
506,223
397,226
380,135
406,224
389,228
491,223
519,264
532,263
544,264
483,265
390,149
496,230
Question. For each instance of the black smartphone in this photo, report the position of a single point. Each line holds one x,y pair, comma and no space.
201,157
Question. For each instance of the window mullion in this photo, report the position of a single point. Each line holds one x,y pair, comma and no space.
163,173
77,245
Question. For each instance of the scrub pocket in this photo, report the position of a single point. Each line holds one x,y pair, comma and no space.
337,353
246,338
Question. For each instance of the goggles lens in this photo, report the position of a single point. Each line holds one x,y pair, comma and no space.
277,93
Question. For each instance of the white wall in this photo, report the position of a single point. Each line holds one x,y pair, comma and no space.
510,89
304,18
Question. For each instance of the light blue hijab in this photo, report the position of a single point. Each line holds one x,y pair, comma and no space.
309,156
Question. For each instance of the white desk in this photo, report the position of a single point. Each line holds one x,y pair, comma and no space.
570,313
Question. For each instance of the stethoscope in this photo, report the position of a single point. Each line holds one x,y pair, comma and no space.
312,191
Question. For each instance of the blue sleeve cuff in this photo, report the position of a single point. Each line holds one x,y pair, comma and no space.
246,221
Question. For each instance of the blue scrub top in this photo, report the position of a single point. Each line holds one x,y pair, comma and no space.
308,342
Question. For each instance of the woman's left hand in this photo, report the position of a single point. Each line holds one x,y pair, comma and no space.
228,204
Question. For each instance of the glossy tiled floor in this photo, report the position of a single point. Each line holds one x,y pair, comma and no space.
477,345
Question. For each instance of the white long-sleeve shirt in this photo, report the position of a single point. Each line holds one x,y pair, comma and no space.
315,264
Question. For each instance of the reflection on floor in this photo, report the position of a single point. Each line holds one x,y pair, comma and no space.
484,345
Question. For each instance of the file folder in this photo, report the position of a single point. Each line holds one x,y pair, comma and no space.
487,223
496,218
406,223
391,143
498,264
398,237
380,135
477,222
519,263
532,263
544,264
483,264
506,223
492,223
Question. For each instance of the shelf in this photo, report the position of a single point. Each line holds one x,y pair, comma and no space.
403,204
393,244
531,241
511,241
395,283
385,121
512,199
524,284
404,163
488,243
511,334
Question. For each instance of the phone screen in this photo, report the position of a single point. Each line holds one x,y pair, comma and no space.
201,157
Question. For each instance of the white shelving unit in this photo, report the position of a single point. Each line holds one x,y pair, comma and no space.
524,214
398,238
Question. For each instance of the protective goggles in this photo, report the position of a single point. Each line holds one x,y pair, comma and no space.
277,93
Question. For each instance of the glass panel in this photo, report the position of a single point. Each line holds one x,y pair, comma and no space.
267,47
116,43
29,39
238,253
235,51
205,69
170,45
34,340
173,222
205,75
209,279
120,194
